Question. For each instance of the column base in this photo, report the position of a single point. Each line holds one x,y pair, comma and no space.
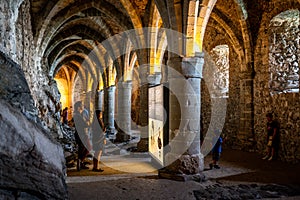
184,164
184,168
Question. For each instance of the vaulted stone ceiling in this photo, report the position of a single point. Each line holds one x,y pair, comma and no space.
66,30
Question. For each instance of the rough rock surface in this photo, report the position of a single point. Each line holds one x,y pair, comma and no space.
14,88
32,164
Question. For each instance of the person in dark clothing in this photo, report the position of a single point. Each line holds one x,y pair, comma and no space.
98,139
216,153
82,139
65,115
272,137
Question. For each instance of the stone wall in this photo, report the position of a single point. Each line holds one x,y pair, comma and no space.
32,163
17,43
212,39
275,53
8,16
16,39
285,106
284,36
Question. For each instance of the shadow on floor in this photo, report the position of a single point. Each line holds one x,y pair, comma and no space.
261,171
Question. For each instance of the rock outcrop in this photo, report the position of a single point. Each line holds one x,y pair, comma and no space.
32,163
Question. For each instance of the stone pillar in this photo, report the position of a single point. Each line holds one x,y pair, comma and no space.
99,100
142,145
110,111
246,132
184,160
124,111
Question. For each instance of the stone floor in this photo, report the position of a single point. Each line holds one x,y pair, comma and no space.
243,175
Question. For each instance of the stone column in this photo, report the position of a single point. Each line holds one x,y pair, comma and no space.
184,160
110,109
246,132
124,111
142,145
99,100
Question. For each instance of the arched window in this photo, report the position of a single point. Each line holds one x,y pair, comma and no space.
220,56
284,36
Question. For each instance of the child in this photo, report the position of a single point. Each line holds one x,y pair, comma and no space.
216,153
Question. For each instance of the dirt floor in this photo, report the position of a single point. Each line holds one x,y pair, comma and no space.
237,168
263,171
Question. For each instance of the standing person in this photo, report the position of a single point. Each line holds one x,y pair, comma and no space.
65,115
82,139
216,153
98,139
86,117
85,114
272,137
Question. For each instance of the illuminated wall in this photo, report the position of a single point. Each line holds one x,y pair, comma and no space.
156,123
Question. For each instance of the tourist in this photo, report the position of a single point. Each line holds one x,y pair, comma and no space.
98,139
272,137
65,115
86,117
216,153
82,139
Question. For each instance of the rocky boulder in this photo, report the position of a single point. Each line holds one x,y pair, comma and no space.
32,163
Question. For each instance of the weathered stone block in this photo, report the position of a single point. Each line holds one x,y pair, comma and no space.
30,161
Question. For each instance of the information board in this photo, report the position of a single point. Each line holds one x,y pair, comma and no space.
156,123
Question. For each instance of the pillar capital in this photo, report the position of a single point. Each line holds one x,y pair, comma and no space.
192,66
189,67
126,84
154,79
111,88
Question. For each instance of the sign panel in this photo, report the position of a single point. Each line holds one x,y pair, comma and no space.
156,123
